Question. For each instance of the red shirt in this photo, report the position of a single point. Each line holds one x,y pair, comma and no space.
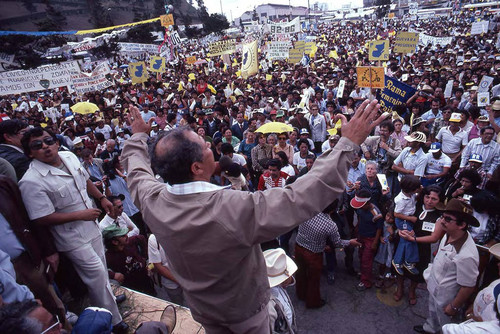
267,182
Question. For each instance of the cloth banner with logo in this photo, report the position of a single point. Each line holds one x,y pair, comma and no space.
250,61
286,27
92,82
394,93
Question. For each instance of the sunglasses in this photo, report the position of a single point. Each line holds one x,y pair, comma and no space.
53,326
38,144
448,219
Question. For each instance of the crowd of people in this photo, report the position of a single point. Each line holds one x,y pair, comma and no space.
83,200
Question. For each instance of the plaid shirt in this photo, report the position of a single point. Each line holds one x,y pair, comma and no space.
492,230
314,232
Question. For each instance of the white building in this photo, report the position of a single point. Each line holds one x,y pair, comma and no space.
272,12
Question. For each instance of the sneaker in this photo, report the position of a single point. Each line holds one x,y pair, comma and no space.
71,318
398,268
330,278
361,287
411,268
169,317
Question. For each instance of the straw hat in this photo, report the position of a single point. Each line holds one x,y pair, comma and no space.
416,136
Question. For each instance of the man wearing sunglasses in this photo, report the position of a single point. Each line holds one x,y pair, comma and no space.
451,278
57,193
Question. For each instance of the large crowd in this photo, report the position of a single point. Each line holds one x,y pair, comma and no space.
420,196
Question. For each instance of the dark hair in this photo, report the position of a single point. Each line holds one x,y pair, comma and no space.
489,127
471,175
485,202
274,163
311,156
109,167
387,124
363,193
31,133
171,117
283,157
177,154
14,318
86,152
427,191
302,141
114,198
10,127
99,136
409,183
226,148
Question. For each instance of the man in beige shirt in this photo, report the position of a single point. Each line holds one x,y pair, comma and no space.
211,235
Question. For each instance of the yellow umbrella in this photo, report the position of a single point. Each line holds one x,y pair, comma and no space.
275,127
85,108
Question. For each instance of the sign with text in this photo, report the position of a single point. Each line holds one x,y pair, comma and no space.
394,93
295,56
379,50
340,90
221,47
425,40
92,82
405,42
285,27
175,38
167,20
371,77
38,79
479,27
138,48
278,50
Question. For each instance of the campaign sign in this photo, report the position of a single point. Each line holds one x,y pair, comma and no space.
394,93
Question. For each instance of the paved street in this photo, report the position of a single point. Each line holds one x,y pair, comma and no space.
350,311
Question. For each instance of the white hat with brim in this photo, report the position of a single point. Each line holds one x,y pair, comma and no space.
358,202
416,136
455,117
280,267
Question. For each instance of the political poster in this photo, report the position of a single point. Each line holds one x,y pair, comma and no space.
485,83
138,72
379,50
425,40
157,64
295,55
483,99
371,77
250,60
310,48
6,58
167,20
175,38
138,48
191,60
340,89
278,50
413,8
479,27
92,82
300,45
38,79
405,42
393,94
285,27
222,47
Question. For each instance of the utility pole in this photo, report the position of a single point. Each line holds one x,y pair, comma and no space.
221,12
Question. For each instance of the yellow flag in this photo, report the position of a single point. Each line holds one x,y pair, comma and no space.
212,89
157,64
333,54
138,72
180,88
249,64
191,76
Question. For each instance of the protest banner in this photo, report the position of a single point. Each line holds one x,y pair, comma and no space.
371,77
379,50
222,47
485,83
300,45
483,99
138,72
138,48
38,79
310,48
285,27
269,77
295,56
191,60
449,89
6,58
425,40
250,60
340,90
157,64
92,82
278,50
413,8
479,27
167,20
405,42
394,93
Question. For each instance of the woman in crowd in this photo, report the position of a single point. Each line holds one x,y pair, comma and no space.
282,146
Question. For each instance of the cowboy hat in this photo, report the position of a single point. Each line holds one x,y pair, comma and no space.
279,266
462,210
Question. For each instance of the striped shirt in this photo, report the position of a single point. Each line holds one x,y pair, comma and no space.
489,152
314,232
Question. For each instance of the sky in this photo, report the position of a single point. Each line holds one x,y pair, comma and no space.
238,7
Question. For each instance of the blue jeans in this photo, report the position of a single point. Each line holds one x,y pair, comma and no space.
407,250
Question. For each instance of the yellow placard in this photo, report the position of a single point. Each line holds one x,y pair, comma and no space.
300,45
295,56
371,77
191,76
222,47
191,60
249,62
391,15
310,47
138,72
406,42
269,77
379,50
167,20
157,64
333,54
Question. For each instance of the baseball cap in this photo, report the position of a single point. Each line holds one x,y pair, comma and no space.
304,131
435,147
113,231
476,158
455,117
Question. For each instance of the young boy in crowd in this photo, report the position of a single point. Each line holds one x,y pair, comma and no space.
370,224
407,252
386,249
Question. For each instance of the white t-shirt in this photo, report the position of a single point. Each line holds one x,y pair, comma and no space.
405,205
451,143
156,254
106,131
239,159
298,161
289,170
435,166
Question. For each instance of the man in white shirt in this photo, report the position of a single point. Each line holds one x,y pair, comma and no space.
486,147
105,129
430,115
452,138
118,217
438,165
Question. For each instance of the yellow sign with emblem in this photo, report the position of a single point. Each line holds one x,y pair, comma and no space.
406,42
295,56
157,64
371,77
249,62
191,60
167,20
379,50
138,72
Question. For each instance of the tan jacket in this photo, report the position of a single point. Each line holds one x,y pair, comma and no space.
212,239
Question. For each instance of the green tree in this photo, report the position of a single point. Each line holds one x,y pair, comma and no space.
53,21
215,23
106,49
383,7
141,34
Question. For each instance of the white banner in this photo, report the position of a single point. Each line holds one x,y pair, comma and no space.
449,89
427,39
278,50
286,27
138,48
479,27
485,83
413,8
91,82
340,89
6,58
38,79
84,46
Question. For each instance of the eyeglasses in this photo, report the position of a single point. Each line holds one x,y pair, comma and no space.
282,138
53,326
448,219
38,144
120,206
